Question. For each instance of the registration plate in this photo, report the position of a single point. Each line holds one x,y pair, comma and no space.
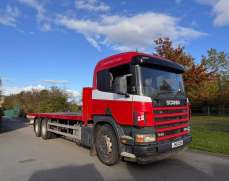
177,144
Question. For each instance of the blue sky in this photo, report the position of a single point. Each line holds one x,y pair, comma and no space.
45,43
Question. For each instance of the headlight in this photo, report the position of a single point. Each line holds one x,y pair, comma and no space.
145,138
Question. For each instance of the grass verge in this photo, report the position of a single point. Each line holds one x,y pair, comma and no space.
210,133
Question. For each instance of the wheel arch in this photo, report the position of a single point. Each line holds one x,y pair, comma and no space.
34,120
109,120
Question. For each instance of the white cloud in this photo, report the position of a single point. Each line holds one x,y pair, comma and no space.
16,90
42,18
92,5
46,26
36,5
207,2
55,81
220,10
74,96
130,32
8,16
178,1
93,42
73,93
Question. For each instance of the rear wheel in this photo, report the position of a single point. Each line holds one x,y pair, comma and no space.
37,127
45,134
106,145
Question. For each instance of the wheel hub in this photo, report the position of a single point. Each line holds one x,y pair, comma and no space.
36,127
43,130
108,144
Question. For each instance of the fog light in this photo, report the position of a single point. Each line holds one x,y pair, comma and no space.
145,138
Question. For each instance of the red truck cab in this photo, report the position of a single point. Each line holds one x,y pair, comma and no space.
136,109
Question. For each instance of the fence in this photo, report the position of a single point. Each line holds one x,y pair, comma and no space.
14,112
210,109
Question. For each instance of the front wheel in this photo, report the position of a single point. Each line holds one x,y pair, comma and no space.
106,145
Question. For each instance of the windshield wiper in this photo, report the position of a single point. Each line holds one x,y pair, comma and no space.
175,93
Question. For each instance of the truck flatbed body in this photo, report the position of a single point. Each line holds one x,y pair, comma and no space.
60,115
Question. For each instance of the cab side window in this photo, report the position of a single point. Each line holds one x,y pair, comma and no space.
103,81
106,78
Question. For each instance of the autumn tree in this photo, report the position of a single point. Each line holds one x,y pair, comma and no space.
165,48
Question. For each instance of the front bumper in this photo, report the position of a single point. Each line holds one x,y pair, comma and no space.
158,151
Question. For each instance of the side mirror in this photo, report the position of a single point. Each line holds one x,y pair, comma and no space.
120,85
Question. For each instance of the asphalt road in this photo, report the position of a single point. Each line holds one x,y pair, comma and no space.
24,157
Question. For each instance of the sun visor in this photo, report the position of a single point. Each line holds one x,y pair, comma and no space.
158,63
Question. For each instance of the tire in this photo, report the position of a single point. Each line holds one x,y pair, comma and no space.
106,145
45,134
37,127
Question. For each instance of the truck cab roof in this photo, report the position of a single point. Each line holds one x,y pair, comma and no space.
134,58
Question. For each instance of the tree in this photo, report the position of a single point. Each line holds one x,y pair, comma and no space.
52,100
1,100
164,47
217,63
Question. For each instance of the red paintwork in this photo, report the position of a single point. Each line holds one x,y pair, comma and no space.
116,60
55,116
171,115
171,121
122,111
171,128
87,105
147,109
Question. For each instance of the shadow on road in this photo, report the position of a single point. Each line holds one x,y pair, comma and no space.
78,173
221,171
11,124
171,170
177,170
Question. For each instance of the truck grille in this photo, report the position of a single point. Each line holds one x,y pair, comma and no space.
171,122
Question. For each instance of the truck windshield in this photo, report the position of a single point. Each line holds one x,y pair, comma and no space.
156,82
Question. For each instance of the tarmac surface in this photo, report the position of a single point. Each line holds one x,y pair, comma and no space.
24,157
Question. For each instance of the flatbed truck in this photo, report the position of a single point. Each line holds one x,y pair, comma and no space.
136,110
